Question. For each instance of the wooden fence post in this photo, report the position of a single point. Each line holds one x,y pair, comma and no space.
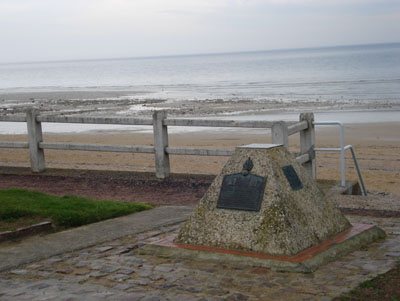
160,144
34,138
279,133
307,143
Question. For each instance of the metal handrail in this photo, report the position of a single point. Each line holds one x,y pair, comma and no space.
342,149
357,168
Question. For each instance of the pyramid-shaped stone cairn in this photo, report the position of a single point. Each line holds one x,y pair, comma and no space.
265,210
263,201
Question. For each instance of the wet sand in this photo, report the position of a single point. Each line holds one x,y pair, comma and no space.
141,103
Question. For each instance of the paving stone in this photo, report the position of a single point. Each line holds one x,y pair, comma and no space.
16,293
96,267
54,260
155,277
81,272
118,277
185,297
340,283
165,285
123,286
217,292
142,282
164,268
119,252
19,272
134,246
81,279
153,233
289,290
152,298
81,265
135,260
126,271
104,249
191,281
248,283
268,284
145,274
237,297
191,289
44,274
97,274
109,269
39,286
132,297
46,269
260,271
64,271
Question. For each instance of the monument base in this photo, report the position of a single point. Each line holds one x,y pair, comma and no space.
358,236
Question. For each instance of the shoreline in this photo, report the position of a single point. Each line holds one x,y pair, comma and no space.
142,103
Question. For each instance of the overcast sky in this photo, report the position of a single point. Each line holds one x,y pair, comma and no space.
37,30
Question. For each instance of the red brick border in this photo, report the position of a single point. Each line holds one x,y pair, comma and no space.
298,258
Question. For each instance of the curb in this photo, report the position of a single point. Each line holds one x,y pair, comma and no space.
27,231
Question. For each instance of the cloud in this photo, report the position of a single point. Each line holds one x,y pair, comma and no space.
49,29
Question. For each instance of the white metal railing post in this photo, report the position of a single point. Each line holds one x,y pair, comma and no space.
353,154
342,158
35,137
341,148
161,144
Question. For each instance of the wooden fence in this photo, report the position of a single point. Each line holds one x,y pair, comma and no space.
280,132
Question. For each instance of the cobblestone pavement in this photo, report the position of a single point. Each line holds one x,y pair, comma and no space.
113,272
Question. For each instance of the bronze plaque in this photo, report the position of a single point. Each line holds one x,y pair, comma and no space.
242,191
292,177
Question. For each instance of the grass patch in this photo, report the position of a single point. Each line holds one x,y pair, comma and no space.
368,283
64,212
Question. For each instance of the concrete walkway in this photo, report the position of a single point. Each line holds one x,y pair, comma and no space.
38,248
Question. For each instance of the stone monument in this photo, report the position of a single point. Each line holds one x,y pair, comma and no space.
263,201
264,209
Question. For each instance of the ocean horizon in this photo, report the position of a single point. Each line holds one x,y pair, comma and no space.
347,73
199,54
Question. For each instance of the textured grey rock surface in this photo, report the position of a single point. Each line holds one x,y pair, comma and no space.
289,221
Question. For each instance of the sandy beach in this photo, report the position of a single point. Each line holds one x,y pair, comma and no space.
377,148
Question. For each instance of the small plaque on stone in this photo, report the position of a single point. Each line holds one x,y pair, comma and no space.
242,191
292,177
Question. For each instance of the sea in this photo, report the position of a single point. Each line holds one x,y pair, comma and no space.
359,74
349,73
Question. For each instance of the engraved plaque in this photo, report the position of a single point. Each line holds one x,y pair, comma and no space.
292,177
242,191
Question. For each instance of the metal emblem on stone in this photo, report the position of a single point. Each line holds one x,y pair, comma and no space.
292,177
242,191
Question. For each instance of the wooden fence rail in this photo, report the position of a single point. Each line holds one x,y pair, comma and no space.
280,132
